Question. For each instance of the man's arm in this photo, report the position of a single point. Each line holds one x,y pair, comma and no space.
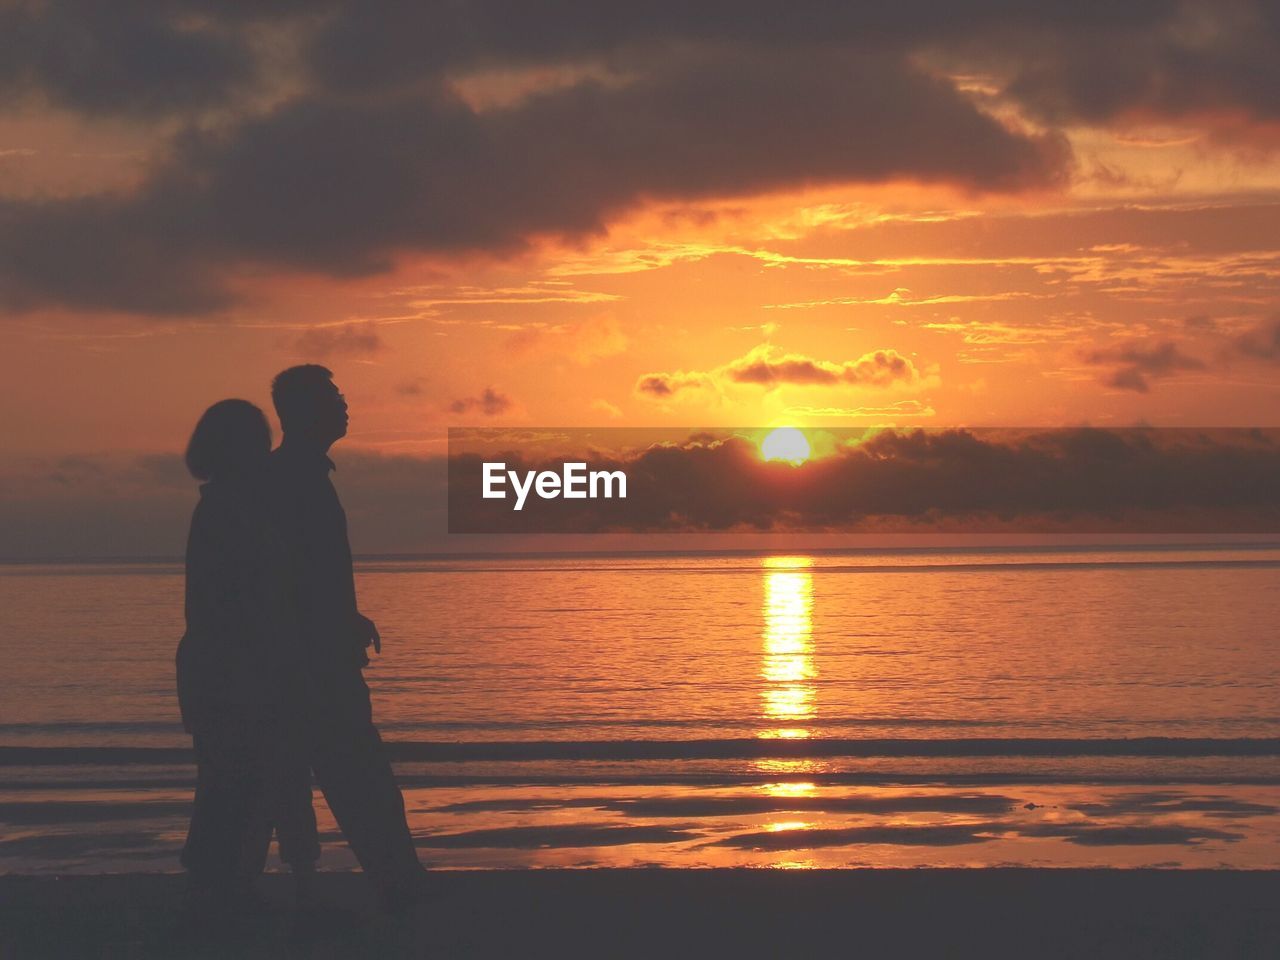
367,633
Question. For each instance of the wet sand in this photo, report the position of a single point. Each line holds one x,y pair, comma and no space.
678,913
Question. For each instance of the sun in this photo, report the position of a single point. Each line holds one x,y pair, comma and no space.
785,443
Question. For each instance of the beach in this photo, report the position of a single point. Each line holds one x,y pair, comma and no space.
987,913
966,753
958,708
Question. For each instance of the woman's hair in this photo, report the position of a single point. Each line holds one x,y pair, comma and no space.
231,437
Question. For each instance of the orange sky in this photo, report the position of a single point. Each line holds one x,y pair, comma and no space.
1027,249
1007,308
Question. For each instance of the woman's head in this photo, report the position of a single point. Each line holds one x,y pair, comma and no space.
231,438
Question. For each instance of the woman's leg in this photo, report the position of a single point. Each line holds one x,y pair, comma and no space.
295,818
227,814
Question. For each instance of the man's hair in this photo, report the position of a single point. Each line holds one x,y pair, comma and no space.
294,391
231,437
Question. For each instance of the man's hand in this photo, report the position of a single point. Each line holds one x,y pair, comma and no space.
367,632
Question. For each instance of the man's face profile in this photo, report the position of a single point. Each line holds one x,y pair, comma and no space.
331,411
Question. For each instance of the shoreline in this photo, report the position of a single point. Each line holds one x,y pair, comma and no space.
963,544
976,912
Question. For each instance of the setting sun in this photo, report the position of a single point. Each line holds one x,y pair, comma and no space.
786,443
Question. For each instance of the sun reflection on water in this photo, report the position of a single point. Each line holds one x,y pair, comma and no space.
787,667
787,692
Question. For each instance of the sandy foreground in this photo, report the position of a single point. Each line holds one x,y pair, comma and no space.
677,913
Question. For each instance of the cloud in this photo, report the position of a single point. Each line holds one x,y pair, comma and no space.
764,366
1135,365
1078,481
350,143
767,366
1062,62
140,505
411,42
1262,342
341,186
132,254
600,405
490,403
664,386
347,340
584,342
1207,63
903,408
120,59
97,506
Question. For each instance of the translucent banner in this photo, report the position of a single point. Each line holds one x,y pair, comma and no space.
789,479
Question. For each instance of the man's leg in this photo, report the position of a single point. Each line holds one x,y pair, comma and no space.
351,766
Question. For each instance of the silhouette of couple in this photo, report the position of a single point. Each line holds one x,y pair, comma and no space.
269,669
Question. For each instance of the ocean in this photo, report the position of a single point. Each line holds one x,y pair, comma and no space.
1055,707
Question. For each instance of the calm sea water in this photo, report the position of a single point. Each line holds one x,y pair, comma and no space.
989,707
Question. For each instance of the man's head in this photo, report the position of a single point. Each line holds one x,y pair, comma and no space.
309,404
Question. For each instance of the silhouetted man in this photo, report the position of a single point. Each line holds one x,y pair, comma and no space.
337,732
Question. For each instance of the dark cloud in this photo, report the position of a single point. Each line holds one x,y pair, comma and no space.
661,386
1194,61
349,340
140,506
768,367
371,153
490,402
1151,481
881,368
172,56
339,186
1262,342
1135,365
140,59
135,254
409,42
1064,61
95,506
394,503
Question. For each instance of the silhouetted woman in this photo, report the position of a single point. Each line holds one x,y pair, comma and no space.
233,687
